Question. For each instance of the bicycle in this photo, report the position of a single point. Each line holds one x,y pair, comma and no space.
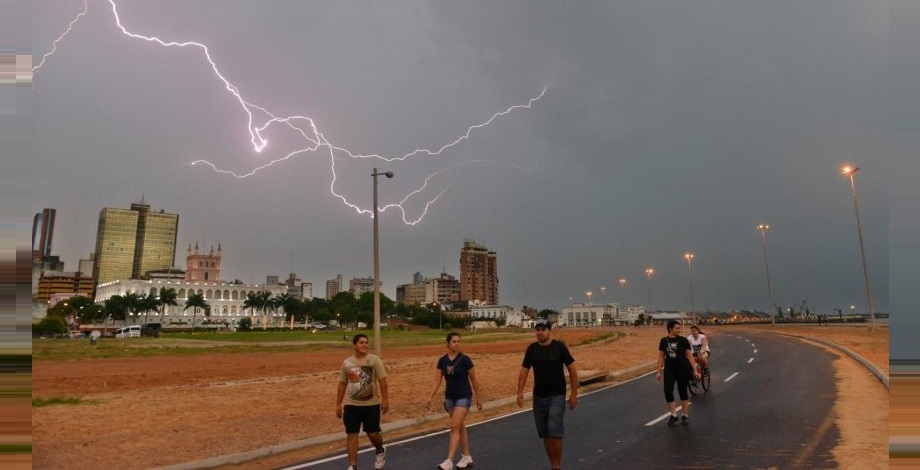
704,382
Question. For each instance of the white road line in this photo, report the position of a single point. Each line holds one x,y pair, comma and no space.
753,345
748,340
731,377
750,360
755,351
661,418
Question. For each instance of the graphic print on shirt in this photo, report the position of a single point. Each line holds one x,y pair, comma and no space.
671,351
360,382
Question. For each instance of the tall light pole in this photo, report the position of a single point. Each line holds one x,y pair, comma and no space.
603,294
689,258
648,274
850,171
589,294
763,242
377,345
622,282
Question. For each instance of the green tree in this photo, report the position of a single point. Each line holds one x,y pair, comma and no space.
50,326
116,308
261,302
195,301
168,298
289,305
132,303
148,303
245,324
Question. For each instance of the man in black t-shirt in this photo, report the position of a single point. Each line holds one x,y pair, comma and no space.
547,357
675,357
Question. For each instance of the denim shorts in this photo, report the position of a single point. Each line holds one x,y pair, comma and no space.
548,414
451,403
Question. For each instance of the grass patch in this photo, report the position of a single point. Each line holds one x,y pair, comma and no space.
40,402
15,448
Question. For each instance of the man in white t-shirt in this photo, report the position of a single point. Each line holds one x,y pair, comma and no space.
363,386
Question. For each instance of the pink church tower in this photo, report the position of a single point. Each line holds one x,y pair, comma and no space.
201,267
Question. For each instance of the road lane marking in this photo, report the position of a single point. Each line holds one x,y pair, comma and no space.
753,345
661,418
750,360
755,351
730,377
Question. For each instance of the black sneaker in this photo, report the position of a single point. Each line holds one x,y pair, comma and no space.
684,419
672,420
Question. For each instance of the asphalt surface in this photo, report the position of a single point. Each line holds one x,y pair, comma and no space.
770,407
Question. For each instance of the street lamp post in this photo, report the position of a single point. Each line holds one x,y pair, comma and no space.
377,345
589,294
648,274
763,242
622,282
850,171
689,258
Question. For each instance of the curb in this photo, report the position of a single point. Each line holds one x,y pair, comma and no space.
264,452
868,365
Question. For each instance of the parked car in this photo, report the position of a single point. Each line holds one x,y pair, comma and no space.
133,331
151,329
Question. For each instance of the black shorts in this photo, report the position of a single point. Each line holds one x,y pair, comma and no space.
356,417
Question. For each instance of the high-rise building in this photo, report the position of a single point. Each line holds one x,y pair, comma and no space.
131,242
360,285
478,274
42,233
156,240
333,286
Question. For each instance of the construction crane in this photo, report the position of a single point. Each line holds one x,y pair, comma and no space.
802,310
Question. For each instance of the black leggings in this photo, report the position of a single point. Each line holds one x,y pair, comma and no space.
683,382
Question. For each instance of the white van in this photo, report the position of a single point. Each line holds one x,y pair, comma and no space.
133,331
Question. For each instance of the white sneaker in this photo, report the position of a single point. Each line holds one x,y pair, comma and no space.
446,465
380,460
465,462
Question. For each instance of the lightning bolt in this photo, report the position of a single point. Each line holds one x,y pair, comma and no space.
305,127
61,37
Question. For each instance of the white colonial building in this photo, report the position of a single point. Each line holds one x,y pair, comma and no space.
589,314
225,299
510,315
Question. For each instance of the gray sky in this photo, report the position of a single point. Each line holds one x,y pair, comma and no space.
666,127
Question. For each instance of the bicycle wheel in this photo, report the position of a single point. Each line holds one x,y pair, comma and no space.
705,380
694,387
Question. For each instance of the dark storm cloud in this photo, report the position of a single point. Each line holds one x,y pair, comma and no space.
667,127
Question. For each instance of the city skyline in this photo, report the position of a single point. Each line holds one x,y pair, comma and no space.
661,131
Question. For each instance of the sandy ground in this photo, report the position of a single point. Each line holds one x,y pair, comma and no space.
155,411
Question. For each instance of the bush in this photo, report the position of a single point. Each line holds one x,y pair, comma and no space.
50,326
245,324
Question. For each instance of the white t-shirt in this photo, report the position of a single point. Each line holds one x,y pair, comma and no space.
697,343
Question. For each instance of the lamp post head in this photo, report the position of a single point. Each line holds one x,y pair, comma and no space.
849,170
649,271
388,174
689,256
763,227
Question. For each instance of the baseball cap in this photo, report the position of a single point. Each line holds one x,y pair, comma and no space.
542,323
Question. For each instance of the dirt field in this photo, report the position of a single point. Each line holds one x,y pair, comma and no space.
156,411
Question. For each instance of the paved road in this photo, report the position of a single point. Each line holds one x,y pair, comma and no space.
770,407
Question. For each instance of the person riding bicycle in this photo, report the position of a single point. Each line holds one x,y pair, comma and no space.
700,345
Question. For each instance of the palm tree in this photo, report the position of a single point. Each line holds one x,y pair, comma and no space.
115,307
168,298
132,302
148,303
195,301
289,305
258,302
